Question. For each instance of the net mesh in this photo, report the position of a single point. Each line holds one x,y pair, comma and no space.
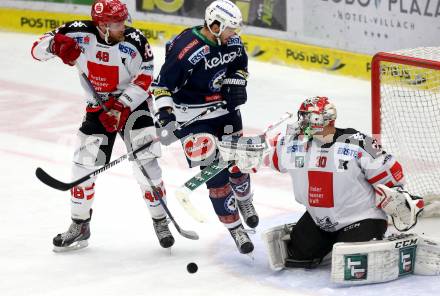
410,119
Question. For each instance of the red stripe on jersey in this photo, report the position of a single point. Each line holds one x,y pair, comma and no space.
143,81
32,50
389,184
397,172
275,155
378,177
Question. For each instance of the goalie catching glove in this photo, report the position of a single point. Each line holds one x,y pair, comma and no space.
403,207
247,152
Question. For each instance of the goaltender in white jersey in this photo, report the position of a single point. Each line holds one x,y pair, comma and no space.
348,186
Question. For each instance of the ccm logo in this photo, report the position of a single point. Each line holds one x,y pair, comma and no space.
406,243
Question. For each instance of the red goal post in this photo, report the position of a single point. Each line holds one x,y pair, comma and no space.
405,88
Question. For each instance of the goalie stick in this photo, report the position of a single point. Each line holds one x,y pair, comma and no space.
183,193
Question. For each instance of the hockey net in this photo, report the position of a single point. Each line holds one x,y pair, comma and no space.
406,116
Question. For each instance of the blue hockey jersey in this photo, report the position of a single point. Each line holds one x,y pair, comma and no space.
193,72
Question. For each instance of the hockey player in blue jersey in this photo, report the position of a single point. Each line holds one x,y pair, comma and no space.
205,65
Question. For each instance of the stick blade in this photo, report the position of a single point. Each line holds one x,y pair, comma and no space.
190,234
182,194
50,181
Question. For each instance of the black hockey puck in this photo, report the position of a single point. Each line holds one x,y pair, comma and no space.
192,267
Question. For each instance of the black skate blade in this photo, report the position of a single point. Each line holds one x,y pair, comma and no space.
73,247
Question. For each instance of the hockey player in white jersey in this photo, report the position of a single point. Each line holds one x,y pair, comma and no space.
118,61
346,182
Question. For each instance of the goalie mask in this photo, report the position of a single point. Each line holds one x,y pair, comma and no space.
314,114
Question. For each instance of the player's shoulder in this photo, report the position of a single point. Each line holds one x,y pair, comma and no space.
362,140
187,46
135,37
80,26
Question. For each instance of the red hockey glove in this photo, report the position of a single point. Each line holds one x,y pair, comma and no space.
66,48
114,120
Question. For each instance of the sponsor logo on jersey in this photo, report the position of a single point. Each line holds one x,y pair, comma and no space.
355,267
187,48
349,152
358,136
397,172
127,50
222,59
217,80
77,24
343,164
234,40
296,148
199,54
299,161
325,223
136,36
82,40
212,98
147,68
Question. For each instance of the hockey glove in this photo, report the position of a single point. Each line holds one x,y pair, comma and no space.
166,126
400,205
114,120
234,90
66,48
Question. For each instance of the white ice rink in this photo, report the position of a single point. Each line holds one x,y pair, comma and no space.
40,110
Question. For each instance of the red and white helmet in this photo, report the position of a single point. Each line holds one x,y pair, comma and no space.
316,113
226,13
109,11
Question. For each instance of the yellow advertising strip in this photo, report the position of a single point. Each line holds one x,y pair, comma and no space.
260,48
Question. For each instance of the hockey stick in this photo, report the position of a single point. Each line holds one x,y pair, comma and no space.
183,192
44,176
63,186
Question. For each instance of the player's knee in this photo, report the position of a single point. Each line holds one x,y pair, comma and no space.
153,170
88,153
140,137
241,185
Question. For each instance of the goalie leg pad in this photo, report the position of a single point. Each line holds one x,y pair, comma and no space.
225,206
386,260
275,240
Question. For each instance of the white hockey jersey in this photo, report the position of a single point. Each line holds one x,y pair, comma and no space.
124,69
334,181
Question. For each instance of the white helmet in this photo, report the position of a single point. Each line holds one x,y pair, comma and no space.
226,13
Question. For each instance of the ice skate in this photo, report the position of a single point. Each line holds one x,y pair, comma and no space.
74,238
163,232
248,212
242,240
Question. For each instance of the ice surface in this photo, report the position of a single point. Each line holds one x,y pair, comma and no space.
40,110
